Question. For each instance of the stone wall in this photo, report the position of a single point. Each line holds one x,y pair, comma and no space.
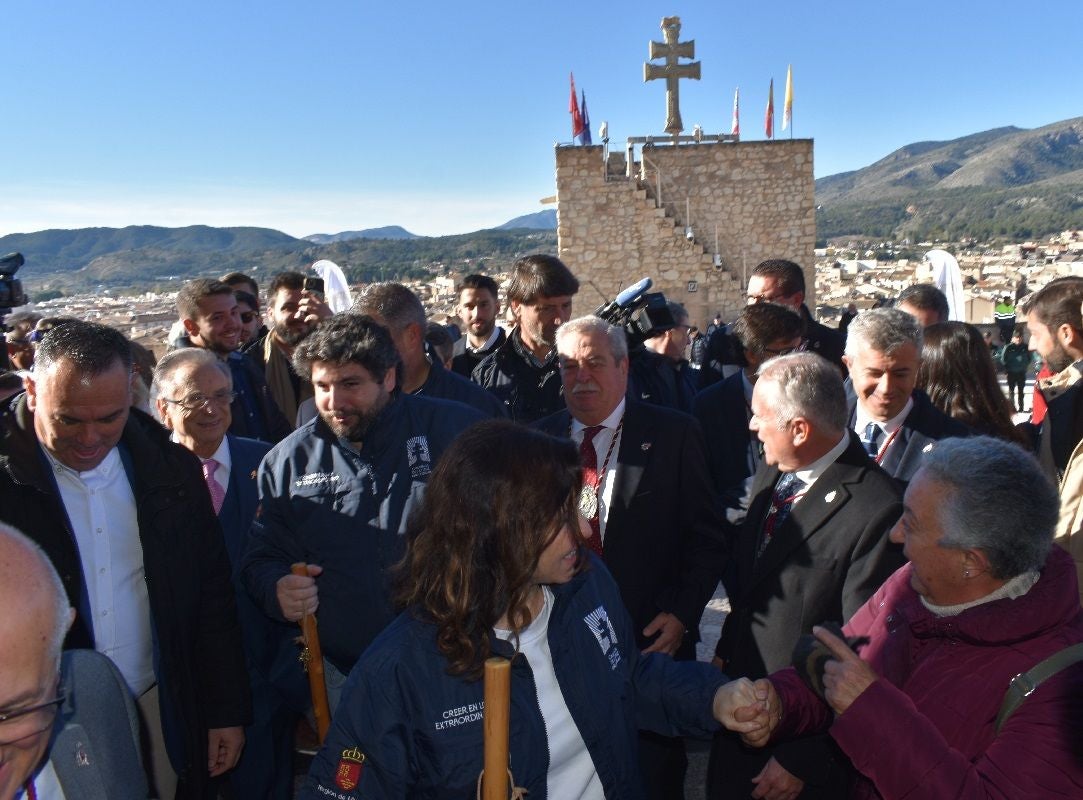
612,232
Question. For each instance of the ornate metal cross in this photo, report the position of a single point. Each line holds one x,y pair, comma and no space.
672,51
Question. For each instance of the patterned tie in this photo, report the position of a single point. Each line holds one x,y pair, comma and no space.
871,439
218,493
588,457
786,492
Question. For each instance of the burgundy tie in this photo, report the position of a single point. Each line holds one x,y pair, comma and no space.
588,456
218,494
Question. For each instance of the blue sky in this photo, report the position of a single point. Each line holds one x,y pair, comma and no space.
330,115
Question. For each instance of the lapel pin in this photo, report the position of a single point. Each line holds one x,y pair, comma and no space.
81,758
830,496
645,446
252,474
927,448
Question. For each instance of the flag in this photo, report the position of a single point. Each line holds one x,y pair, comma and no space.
787,108
735,127
573,109
769,117
584,135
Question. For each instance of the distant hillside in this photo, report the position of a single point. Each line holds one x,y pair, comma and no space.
542,220
1005,182
386,232
62,250
171,259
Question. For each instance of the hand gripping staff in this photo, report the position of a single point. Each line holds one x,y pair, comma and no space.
312,658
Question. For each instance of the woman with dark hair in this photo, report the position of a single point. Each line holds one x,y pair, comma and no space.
958,375
495,566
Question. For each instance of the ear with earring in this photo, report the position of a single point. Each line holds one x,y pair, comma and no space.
966,573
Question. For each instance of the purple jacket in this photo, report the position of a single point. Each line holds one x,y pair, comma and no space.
926,729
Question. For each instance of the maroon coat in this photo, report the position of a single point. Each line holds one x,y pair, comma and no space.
926,729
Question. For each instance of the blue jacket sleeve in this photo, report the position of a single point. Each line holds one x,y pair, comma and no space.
368,751
271,547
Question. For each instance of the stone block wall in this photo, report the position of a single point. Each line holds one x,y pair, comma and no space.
611,231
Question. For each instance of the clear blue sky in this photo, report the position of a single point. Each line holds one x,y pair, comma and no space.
441,117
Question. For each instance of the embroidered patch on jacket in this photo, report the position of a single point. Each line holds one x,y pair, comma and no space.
315,479
599,624
417,450
349,769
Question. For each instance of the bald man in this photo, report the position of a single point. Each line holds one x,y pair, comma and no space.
80,701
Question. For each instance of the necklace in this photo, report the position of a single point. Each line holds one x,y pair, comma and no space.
588,495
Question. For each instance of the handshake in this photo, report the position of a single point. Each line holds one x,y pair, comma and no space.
751,709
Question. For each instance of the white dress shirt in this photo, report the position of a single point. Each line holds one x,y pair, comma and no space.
602,441
101,508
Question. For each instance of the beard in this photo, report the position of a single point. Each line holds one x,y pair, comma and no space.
291,337
358,421
1059,360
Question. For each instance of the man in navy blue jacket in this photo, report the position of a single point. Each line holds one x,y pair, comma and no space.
336,493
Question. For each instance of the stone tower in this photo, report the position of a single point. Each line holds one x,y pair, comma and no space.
613,229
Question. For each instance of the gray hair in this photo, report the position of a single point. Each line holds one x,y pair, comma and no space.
618,342
806,386
165,372
882,329
58,594
394,303
1000,502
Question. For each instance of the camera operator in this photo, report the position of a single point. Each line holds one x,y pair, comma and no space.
659,373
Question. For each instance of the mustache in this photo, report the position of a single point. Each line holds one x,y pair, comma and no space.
589,386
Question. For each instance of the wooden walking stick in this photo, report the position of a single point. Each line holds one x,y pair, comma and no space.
312,658
495,777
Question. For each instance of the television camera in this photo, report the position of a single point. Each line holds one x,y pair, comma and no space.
642,314
11,288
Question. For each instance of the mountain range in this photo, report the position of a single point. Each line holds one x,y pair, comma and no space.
1006,182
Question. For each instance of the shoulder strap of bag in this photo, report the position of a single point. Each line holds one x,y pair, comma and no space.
1024,684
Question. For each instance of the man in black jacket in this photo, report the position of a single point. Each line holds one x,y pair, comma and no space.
125,517
523,371
783,282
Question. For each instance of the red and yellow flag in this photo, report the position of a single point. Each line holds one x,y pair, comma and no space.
769,117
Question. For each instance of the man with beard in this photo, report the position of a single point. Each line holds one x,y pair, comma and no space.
212,320
1056,334
479,308
523,372
336,493
293,313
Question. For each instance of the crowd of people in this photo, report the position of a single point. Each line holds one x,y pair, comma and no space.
903,560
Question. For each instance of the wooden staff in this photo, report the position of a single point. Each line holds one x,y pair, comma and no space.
312,658
494,783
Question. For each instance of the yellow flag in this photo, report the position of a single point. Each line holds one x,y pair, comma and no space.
787,109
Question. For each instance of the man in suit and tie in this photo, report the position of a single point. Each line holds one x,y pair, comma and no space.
68,725
652,511
813,548
764,330
193,391
897,423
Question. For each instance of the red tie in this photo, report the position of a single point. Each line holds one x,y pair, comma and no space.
588,456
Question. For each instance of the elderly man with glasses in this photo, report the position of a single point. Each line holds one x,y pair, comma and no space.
193,391
68,726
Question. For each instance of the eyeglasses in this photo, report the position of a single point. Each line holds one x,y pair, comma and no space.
752,299
25,722
247,316
196,402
